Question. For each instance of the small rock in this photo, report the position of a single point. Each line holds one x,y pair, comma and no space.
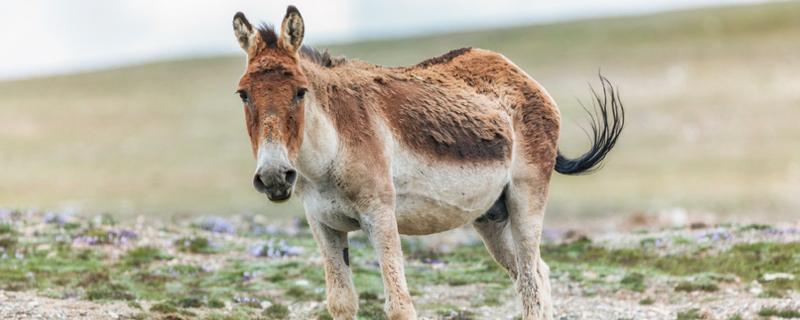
302,283
589,275
777,276
698,225
755,288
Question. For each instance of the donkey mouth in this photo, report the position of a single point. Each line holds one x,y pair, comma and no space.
279,196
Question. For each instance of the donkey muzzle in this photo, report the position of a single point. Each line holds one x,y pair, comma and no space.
276,183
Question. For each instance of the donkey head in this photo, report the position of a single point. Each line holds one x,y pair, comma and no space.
272,89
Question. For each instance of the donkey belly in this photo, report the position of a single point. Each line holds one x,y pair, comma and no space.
440,197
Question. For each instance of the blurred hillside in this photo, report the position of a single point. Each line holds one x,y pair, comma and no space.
712,95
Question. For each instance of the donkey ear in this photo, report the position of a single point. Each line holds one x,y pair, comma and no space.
245,33
292,30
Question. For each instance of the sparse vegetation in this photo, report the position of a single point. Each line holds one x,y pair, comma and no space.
689,286
6,229
371,310
238,283
674,98
164,307
456,314
691,314
276,311
760,258
143,255
109,291
194,245
634,281
780,313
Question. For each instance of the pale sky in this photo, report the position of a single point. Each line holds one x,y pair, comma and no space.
42,37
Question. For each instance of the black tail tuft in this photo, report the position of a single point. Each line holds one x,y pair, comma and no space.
608,119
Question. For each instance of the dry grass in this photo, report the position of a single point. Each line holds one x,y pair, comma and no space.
712,99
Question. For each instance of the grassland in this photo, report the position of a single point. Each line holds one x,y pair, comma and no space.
246,267
712,98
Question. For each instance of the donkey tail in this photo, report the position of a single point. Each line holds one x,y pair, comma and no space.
607,121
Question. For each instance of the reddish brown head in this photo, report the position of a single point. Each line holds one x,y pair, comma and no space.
272,89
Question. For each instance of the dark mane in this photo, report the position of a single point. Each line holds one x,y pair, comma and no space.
267,32
322,58
447,57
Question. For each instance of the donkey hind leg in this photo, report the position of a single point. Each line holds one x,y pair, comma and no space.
526,202
341,294
496,234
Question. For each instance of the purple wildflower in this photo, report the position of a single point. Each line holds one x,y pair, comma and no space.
270,249
115,237
5,216
434,262
247,300
714,235
772,232
59,218
125,235
247,276
258,229
552,235
217,225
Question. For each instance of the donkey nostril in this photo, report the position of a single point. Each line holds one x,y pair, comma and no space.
291,175
259,184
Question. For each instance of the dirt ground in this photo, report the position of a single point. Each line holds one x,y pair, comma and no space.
570,303
252,268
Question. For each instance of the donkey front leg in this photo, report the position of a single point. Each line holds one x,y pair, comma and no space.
526,203
381,227
342,297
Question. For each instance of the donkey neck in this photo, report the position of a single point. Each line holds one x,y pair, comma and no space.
320,140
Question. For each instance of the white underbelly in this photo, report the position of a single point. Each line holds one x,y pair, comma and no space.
436,196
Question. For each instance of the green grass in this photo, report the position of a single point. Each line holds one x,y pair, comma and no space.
634,281
7,229
748,261
195,245
455,314
164,307
147,273
691,314
711,119
231,283
143,255
276,311
688,286
780,313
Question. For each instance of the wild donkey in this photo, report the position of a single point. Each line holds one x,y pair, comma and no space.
467,137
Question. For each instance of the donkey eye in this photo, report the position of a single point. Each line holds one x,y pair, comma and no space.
301,93
243,95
